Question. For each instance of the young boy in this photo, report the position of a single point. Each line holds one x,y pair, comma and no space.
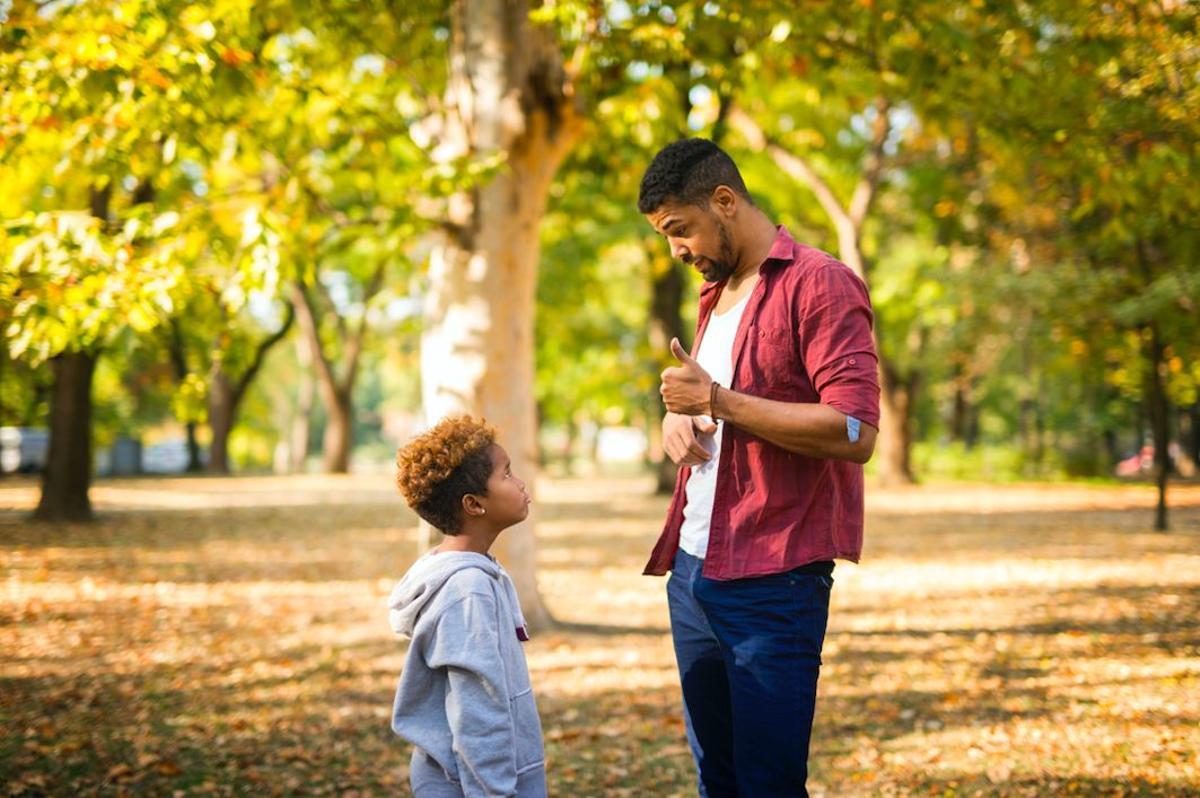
464,700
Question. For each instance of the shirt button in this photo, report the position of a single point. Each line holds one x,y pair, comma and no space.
852,361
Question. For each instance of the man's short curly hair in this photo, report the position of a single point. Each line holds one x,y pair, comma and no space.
440,466
688,171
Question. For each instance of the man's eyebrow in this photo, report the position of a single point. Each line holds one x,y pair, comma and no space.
670,223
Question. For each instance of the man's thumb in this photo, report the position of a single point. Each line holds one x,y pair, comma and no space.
680,354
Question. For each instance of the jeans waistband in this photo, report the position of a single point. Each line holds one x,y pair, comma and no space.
818,568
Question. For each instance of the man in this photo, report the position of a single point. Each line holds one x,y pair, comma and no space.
770,423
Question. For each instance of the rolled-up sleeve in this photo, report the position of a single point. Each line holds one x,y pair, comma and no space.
835,324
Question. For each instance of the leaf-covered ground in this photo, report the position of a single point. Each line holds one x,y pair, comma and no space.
228,637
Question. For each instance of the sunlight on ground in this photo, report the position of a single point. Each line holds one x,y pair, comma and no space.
228,636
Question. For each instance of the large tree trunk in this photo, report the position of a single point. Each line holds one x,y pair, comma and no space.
895,427
505,97
336,443
68,474
221,411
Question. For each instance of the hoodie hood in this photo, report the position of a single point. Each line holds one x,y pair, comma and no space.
429,575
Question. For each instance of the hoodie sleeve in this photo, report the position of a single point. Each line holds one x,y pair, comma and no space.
466,644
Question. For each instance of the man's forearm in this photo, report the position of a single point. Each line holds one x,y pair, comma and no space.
810,429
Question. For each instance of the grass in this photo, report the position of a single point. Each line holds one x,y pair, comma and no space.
229,637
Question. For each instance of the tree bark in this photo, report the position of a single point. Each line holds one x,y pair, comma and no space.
1156,393
68,474
894,442
1156,400
221,412
335,446
508,96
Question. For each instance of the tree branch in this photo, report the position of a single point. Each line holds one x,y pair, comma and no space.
260,352
307,316
872,170
792,164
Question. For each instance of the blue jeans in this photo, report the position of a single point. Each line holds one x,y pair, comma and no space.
749,654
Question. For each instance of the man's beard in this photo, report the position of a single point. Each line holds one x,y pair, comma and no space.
716,270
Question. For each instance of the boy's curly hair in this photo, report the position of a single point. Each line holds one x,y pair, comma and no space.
440,466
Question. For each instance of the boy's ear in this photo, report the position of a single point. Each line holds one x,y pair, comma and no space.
471,505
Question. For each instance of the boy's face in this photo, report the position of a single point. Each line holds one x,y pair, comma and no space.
507,501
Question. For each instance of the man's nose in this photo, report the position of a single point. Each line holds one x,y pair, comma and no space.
679,252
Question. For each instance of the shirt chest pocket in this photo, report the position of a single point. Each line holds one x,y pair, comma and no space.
771,366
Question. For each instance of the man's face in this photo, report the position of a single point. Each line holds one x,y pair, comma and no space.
698,237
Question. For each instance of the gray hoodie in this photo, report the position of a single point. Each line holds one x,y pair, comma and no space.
464,696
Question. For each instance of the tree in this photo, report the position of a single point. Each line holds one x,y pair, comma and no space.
101,106
70,285
508,103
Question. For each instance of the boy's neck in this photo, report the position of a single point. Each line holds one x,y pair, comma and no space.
474,539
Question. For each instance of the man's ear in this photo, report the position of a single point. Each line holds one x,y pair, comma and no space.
724,202
472,506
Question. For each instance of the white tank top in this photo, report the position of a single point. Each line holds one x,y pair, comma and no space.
715,357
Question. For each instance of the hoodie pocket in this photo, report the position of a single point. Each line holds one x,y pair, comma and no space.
527,727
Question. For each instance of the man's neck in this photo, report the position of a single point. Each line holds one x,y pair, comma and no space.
761,233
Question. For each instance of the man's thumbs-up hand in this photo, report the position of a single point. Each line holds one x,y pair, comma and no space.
685,388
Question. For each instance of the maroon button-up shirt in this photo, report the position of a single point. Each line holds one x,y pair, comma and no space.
805,336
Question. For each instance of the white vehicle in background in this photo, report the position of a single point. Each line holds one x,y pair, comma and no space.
23,450
165,457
